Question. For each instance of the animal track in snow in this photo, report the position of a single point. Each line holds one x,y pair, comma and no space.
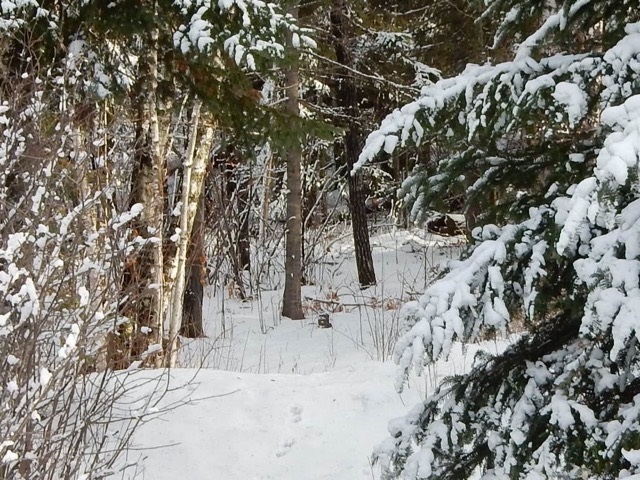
296,411
289,441
285,446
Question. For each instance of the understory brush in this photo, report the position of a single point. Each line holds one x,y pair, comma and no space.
248,333
65,413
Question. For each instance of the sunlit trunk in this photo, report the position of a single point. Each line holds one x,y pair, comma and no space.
143,280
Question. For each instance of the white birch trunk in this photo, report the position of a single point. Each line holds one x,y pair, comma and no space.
158,204
171,264
193,180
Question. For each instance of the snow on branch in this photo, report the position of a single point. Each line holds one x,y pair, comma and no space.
612,265
556,83
572,380
470,297
254,28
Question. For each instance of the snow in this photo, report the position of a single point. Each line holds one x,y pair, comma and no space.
561,412
573,99
633,456
9,457
270,426
270,398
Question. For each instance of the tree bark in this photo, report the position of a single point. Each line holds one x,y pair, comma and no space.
292,298
346,94
266,197
244,208
192,325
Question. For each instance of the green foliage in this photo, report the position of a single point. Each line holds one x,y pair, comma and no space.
545,146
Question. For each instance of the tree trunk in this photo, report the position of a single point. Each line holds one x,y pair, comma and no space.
346,95
292,298
234,201
244,210
142,282
193,180
266,197
192,326
364,259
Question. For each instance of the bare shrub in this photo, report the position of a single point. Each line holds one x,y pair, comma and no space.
61,254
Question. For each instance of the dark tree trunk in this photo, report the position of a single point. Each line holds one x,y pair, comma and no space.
364,259
244,209
192,326
346,94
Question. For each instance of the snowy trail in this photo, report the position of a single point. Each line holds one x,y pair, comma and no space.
247,426
318,426
286,400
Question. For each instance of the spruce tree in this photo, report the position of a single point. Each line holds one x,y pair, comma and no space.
554,134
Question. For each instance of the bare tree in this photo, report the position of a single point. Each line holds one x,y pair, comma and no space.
61,254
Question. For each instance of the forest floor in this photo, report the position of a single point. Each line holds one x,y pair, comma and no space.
264,397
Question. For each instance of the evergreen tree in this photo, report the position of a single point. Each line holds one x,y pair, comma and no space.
353,79
555,133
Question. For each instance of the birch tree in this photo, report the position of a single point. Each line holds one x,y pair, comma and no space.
143,281
194,168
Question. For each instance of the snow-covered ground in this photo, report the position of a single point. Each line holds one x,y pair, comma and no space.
270,398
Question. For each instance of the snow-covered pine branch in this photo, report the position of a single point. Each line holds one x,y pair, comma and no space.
556,133
253,30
